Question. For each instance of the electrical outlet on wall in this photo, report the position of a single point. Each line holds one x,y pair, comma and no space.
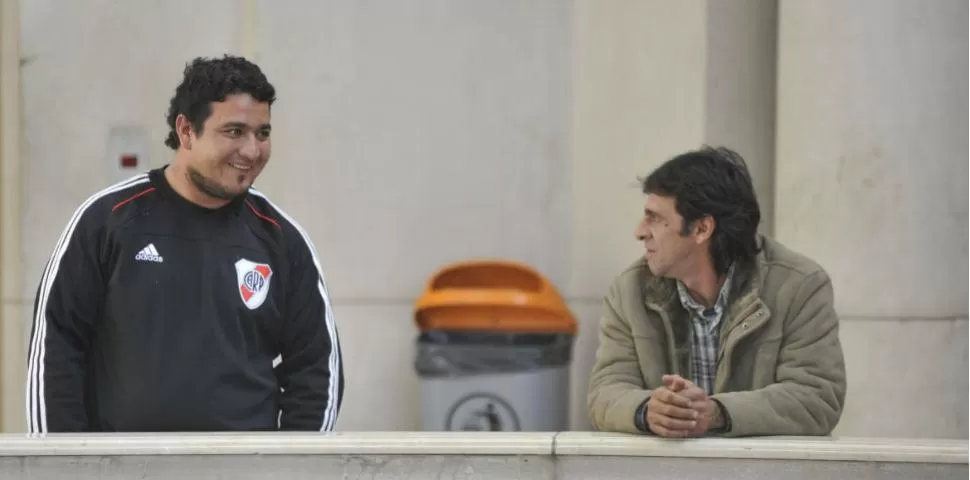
127,154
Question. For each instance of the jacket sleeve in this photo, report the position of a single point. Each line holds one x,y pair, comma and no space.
809,392
68,302
310,373
616,386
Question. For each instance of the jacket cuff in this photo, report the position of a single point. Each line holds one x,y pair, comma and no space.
735,410
619,413
640,417
727,419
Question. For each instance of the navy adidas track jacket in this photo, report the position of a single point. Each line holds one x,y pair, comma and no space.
155,314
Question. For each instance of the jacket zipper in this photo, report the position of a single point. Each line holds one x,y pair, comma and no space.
671,342
747,326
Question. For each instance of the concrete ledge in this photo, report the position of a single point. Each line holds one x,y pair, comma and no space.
490,443
454,455
245,456
779,448
362,443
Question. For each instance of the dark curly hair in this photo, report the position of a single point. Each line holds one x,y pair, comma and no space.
207,80
713,182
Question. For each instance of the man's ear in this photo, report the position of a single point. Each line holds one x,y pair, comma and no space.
704,228
184,130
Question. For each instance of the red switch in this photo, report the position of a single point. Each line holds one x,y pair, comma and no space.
129,161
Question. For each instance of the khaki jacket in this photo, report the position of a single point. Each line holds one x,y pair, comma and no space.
780,368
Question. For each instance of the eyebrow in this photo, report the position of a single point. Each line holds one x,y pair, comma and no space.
264,126
647,211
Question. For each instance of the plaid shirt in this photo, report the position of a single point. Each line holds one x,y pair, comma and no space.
705,333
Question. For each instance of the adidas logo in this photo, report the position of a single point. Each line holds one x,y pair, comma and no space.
149,254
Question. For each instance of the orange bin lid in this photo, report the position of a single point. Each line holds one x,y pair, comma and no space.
492,295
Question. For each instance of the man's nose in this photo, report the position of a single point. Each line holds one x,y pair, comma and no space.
641,232
250,149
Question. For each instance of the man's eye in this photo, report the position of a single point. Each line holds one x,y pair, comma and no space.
234,132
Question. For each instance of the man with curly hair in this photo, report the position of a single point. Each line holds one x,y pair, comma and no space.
183,299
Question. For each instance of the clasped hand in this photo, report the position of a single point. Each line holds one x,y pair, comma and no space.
681,409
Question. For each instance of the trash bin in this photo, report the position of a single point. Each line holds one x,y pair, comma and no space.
494,350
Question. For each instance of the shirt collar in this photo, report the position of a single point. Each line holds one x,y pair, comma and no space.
687,300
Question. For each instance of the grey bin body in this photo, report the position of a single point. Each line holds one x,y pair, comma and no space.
488,381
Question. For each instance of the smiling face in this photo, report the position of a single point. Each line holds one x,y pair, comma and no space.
230,151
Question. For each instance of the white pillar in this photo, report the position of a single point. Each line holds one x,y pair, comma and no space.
871,181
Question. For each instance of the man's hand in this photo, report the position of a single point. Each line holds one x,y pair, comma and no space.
709,415
669,411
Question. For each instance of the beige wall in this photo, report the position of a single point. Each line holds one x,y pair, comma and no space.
11,328
412,134
872,182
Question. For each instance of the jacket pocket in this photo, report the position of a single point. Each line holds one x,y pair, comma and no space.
752,364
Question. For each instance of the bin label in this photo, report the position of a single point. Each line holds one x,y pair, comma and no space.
482,412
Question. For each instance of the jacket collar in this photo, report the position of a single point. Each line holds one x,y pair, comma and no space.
744,299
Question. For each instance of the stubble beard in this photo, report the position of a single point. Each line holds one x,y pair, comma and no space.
209,187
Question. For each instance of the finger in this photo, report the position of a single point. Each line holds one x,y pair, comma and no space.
660,430
658,395
666,433
674,382
672,426
670,423
674,411
678,384
693,393
675,399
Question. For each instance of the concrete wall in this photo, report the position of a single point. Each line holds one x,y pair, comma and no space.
412,134
872,170
11,346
